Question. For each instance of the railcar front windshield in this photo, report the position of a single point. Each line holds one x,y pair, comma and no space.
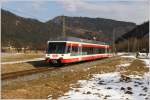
56,47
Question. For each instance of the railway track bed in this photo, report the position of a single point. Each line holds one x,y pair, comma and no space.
32,74
12,75
55,81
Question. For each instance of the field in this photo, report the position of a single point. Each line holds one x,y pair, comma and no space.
12,62
75,49
81,81
9,57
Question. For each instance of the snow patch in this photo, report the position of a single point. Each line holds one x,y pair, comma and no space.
144,55
146,61
121,53
129,56
110,86
123,65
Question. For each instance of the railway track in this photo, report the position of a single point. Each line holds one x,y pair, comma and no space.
24,73
13,75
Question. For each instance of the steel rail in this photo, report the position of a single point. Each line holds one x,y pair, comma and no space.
23,73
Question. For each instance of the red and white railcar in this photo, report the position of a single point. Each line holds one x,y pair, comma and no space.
68,50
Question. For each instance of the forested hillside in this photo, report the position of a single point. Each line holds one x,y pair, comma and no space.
25,32
100,28
136,40
20,32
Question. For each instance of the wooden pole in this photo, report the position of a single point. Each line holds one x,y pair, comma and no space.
114,41
64,31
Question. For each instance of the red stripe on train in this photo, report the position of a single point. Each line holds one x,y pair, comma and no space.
69,60
83,58
88,45
72,44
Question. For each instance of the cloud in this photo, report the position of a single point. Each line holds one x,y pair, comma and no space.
37,5
75,5
125,10
133,10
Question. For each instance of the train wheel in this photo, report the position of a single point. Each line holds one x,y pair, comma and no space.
57,63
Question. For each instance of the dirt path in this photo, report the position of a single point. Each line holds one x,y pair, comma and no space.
12,62
14,57
7,68
22,61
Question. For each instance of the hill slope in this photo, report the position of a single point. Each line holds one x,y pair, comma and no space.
89,27
135,40
21,32
138,32
25,32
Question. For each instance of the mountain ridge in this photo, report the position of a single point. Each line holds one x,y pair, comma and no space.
27,32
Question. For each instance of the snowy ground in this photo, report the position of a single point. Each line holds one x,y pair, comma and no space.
147,62
112,86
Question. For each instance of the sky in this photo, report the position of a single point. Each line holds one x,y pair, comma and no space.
136,11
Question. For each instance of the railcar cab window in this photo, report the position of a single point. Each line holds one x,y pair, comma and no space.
56,47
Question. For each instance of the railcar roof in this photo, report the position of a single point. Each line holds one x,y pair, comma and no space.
74,39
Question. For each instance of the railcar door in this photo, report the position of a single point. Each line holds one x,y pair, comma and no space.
80,51
106,51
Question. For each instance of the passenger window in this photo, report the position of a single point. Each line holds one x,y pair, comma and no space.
68,49
74,51
84,51
101,50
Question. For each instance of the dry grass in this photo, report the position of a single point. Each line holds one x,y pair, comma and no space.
7,68
62,79
137,67
58,84
19,57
